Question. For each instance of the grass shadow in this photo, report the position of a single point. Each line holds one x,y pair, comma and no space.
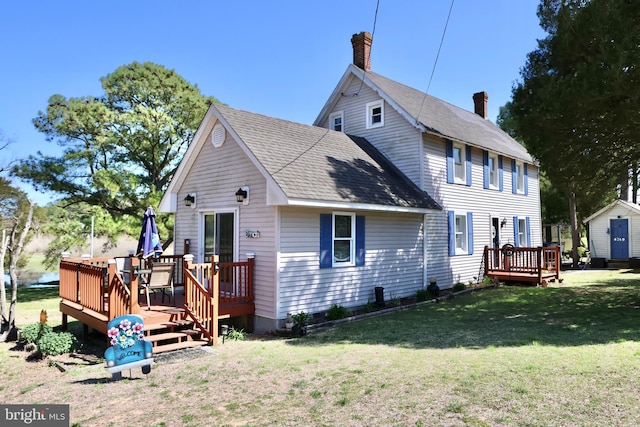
36,294
503,317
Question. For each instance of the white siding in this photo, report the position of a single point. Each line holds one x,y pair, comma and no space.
397,140
483,203
600,238
216,176
393,260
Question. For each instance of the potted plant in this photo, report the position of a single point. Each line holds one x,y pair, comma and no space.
300,321
289,322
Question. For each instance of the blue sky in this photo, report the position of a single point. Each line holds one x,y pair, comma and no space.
279,58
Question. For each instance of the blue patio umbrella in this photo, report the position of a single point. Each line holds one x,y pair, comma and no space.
149,241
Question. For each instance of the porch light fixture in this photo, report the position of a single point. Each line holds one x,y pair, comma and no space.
242,195
190,200
503,223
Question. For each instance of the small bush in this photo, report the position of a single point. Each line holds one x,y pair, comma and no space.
237,335
459,287
54,343
423,295
337,312
31,333
369,307
486,280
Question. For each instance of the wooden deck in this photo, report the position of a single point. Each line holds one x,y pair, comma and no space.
93,292
534,265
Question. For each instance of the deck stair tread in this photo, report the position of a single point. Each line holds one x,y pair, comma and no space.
179,345
166,336
148,327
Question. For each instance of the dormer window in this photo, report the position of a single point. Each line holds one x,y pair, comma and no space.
375,114
336,121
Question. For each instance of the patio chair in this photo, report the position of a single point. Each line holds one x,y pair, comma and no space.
123,265
161,278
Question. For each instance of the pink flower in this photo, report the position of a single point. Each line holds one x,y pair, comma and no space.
125,324
141,336
113,332
137,328
114,341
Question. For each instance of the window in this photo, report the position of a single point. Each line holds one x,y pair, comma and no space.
336,121
521,231
460,233
458,163
520,184
341,240
375,114
492,171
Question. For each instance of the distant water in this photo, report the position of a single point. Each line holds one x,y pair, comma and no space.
36,280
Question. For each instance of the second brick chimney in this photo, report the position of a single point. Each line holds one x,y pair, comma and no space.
361,43
480,104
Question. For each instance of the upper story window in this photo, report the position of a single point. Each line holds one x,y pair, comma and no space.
492,171
519,176
336,121
458,163
375,114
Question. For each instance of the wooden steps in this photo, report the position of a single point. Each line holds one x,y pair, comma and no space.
173,335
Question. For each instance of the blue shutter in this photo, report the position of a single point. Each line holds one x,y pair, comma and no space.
470,233
514,177
526,180
528,230
360,252
326,239
500,173
516,239
450,164
485,167
452,233
468,164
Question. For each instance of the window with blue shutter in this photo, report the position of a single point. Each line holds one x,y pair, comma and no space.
500,173
460,228
485,168
450,164
526,180
516,232
467,163
514,177
342,240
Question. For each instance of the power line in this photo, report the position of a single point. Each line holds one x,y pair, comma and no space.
435,63
364,71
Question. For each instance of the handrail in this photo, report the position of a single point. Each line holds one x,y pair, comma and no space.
118,295
200,306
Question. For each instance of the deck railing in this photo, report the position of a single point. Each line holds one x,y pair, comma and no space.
534,261
96,284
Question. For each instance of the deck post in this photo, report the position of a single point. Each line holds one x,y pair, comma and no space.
540,264
486,261
215,297
133,286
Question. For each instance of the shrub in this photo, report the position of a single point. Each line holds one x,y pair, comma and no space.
459,287
237,335
423,295
54,343
337,312
369,307
31,333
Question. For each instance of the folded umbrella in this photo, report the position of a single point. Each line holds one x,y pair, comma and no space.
149,241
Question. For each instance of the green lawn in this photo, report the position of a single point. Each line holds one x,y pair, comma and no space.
567,355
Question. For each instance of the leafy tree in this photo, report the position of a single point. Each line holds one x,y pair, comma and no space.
576,108
16,213
121,149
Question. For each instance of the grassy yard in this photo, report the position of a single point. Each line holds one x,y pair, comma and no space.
567,355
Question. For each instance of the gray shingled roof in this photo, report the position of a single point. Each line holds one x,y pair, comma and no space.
313,163
448,120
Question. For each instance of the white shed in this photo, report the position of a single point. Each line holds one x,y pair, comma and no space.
614,231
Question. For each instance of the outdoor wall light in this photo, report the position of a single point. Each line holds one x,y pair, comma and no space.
242,195
503,223
190,200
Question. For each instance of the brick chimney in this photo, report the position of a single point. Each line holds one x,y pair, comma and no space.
362,50
480,104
